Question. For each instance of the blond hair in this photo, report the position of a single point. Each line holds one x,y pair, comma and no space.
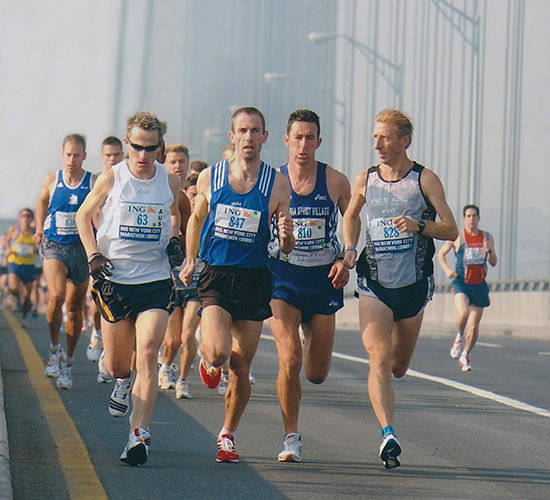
401,121
178,148
146,121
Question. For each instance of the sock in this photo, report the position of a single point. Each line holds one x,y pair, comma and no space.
68,360
458,336
164,366
54,347
464,353
226,431
387,430
290,434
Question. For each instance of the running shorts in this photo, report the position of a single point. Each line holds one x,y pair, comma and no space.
478,295
26,273
73,257
117,301
405,302
308,289
244,293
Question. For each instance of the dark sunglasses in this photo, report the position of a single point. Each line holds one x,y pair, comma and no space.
139,148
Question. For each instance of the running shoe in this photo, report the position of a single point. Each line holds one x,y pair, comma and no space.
292,451
167,376
103,376
160,358
95,347
120,397
224,382
53,367
182,389
226,449
65,379
252,378
210,375
464,363
390,449
456,348
136,451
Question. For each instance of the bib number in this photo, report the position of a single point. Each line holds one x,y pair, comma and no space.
65,223
386,238
140,221
236,223
474,256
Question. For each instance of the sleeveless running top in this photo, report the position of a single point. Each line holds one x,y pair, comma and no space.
237,228
60,223
315,218
23,250
391,258
471,257
135,226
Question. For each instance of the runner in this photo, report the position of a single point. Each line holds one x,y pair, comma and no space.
236,201
473,248
395,269
64,259
130,264
307,283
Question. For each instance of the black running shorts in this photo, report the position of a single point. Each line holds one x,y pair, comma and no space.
244,293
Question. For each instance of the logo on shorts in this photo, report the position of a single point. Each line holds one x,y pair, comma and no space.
332,303
73,200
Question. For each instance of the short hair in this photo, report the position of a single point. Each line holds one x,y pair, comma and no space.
191,181
248,110
146,121
27,210
473,207
78,138
112,140
399,119
178,148
230,148
197,166
304,115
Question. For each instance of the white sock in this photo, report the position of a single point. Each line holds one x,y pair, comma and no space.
69,360
226,431
164,366
55,347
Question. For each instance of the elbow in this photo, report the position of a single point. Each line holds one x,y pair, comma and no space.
453,233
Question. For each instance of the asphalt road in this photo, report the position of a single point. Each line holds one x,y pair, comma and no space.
460,441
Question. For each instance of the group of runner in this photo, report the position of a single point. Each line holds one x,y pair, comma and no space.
258,243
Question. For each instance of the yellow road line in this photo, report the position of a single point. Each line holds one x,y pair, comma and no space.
76,465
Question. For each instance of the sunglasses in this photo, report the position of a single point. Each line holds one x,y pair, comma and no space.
139,148
26,215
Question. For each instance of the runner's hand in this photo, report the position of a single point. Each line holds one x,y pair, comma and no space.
99,266
175,252
186,275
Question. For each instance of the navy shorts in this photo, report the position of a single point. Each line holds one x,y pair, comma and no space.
116,301
405,302
72,256
244,293
306,288
25,272
478,295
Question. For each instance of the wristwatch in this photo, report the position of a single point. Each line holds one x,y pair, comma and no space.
421,226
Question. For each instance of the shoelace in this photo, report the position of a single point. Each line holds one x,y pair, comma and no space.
121,389
226,443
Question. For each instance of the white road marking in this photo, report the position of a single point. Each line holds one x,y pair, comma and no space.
543,353
455,385
487,344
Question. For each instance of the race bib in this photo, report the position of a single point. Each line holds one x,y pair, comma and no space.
25,250
65,223
141,221
236,223
307,231
474,256
386,238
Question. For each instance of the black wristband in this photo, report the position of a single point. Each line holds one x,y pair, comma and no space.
421,226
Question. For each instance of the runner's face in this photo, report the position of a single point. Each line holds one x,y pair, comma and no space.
191,193
302,141
111,155
389,147
177,163
248,136
73,155
471,220
142,160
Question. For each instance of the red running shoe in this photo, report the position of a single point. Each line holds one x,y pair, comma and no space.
210,375
226,449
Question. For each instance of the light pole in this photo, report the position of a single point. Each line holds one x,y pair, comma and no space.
272,78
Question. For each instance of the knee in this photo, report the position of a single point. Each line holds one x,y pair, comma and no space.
380,361
57,298
172,342
290,363
188,341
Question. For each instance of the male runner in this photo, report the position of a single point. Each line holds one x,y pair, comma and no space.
235,203
395,269
64,259
307,283
473,248
137,241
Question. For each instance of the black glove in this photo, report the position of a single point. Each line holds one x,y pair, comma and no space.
99,266
175,252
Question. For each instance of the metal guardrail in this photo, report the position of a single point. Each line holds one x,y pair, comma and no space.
506,286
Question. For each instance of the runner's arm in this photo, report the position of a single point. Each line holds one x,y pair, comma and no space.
442,259
491,254
174,207
42,206
280,200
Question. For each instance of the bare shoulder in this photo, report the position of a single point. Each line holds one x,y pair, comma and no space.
336,177
281,183
428,178
50,179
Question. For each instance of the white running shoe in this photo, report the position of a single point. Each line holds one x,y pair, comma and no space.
160,357
456,348
95,346
136,451
224,382
292,451
53,367
251,377
182,389
103,376
65,379
167,376
464,363
390,449
120,397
